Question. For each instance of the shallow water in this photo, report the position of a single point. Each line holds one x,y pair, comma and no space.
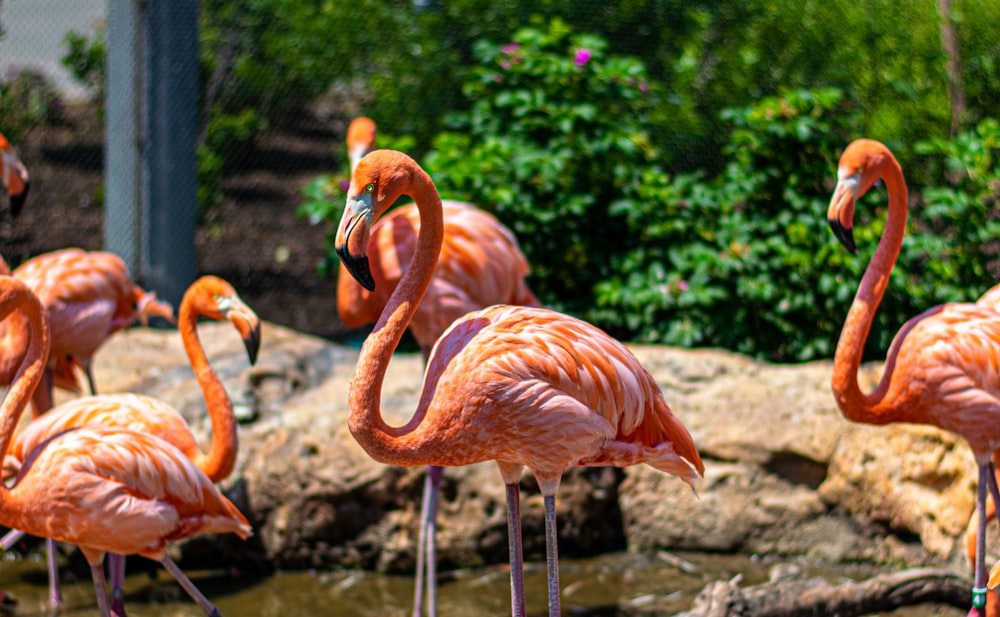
597,587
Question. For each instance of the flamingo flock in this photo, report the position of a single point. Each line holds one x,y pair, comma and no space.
505,379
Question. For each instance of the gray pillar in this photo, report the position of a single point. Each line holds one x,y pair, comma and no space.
152,130
123,132
170,171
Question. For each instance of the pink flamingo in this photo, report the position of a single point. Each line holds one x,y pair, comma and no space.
104,489
942,367
209,297
480,265
523,386
88,295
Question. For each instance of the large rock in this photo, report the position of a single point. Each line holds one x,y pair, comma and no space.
785,473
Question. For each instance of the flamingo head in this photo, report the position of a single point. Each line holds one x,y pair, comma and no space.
13,176
860,167
214,298
378,181
360,139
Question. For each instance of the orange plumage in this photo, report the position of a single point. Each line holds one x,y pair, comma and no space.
943,367
103,489
526,387
89,295
480,264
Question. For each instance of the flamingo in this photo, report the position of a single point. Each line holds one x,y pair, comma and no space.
209,297
480,265
522,386
942,367
102,488
89,295
13,176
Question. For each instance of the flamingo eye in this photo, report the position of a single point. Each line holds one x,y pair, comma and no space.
370,187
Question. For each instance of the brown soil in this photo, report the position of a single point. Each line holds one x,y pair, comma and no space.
254,240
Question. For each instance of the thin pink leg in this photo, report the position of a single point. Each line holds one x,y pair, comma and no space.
11,538
516,553
979,585
552,554
116,566
100,589
189,587
427,545
55,595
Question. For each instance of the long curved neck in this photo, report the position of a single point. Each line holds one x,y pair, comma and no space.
380,440
854,404
220,460
27,379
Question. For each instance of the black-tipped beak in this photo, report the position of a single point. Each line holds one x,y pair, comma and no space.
844,234
247,323
252,343
352,238
358,267
17,201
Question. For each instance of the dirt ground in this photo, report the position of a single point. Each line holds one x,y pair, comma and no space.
254,240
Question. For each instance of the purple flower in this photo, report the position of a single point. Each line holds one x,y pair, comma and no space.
510,48
582,56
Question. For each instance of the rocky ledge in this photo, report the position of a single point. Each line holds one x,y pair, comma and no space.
785,473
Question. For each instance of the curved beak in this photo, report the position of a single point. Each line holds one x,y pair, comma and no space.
351,242
840,214
246,322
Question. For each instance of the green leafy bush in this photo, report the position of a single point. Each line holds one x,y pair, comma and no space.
27,99
958,239
743,260
86,60
554,137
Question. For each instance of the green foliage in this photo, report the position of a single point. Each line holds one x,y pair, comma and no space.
743,260
553,138
86,60
959,225
27,99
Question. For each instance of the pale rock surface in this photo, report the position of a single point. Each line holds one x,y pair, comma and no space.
785,473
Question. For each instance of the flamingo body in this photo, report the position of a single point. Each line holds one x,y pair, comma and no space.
108,489
101,488
89,296
480,265
545,390
134,412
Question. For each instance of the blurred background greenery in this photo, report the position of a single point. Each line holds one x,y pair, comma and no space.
666,164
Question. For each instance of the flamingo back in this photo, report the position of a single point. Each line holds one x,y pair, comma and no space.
550,391
480,265
133,412
89,295
113,490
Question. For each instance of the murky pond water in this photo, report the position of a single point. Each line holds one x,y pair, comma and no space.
598,587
